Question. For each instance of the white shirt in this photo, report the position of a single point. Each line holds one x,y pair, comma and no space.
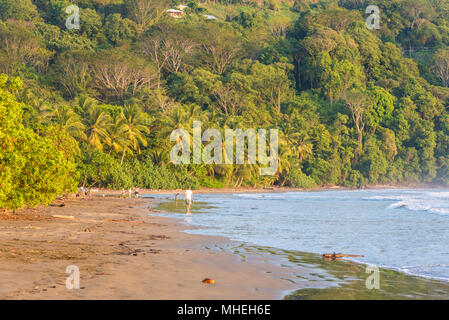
188,195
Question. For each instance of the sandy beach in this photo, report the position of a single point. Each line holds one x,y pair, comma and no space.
122,253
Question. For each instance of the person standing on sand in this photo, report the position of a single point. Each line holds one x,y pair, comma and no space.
188,197
129,192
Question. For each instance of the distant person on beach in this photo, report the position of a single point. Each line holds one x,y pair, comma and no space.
84,190
136,192
188,197
129,192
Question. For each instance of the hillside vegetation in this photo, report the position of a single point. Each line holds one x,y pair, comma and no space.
95,106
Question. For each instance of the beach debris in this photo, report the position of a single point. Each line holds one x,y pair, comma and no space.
57,205
208,281
157,237
124,220
62,217
337,256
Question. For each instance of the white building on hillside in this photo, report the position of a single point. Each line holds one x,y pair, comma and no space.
174,13
210,17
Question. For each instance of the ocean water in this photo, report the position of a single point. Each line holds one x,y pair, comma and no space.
403,230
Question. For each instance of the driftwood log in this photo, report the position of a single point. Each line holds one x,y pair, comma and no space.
336,256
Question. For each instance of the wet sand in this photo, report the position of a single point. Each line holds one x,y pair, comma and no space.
316,278
122,253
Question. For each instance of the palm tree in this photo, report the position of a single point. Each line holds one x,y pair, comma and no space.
284,163
117,140
245,172
303,147
159,157
134,126
85,102
39,114
97,123
195,113
67,120
178,118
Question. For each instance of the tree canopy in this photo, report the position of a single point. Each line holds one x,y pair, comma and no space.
353,106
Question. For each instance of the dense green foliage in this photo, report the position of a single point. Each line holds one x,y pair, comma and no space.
34,169
354,106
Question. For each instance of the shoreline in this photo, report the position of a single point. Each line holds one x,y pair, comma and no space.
111,192
122,253
348,276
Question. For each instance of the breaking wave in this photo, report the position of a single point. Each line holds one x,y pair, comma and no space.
431,202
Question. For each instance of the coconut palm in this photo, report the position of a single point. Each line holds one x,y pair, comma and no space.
134,125
117,140
284,159
303,147
39,114
67,120
97,123
85,102
178,118
244,172
159,157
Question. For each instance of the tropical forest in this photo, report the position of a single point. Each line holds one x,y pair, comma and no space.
91,90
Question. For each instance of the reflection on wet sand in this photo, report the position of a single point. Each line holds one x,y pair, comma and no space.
319,278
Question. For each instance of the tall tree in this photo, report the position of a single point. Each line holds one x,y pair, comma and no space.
97,123
117,74
117,140
441,66
221,49
72,70
67,120
357,102
146,12
134,127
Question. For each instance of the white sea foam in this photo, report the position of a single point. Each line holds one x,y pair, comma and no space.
250,196
403,230
386,198
443,195
431,202
426,271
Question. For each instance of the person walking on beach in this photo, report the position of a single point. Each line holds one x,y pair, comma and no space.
80,191
188,197
136,192
129,192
